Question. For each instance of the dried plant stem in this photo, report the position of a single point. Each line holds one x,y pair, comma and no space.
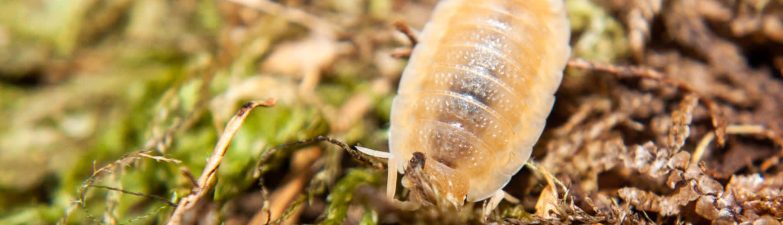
207,177
582,113
705,141
356,154
648,73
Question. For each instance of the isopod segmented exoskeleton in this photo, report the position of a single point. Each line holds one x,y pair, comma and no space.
476,93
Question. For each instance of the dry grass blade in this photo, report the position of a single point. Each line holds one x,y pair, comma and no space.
207,177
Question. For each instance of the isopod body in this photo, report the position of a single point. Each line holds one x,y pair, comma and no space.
476,93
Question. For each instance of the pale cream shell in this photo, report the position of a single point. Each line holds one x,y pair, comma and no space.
539,31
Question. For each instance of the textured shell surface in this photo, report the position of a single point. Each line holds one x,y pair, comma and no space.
478,88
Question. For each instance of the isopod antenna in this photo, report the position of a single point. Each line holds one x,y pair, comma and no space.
356,152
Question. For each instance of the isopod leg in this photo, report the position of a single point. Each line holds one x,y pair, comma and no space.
391,178
402,53
493,202
412,35
510,198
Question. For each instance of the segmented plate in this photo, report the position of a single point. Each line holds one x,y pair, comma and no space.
476,93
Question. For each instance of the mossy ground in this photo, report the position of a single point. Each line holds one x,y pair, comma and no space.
109,110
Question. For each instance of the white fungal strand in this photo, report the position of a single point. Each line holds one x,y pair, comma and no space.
476,93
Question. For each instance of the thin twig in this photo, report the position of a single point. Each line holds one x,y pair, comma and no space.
298,144
157,198
207,177
159,158
701,148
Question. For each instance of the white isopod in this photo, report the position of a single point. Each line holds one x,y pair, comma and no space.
475,96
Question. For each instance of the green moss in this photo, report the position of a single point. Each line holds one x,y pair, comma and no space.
599,36
343,193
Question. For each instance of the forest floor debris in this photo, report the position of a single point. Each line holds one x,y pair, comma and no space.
670,112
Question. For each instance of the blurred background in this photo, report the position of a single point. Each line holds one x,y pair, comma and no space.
110,108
